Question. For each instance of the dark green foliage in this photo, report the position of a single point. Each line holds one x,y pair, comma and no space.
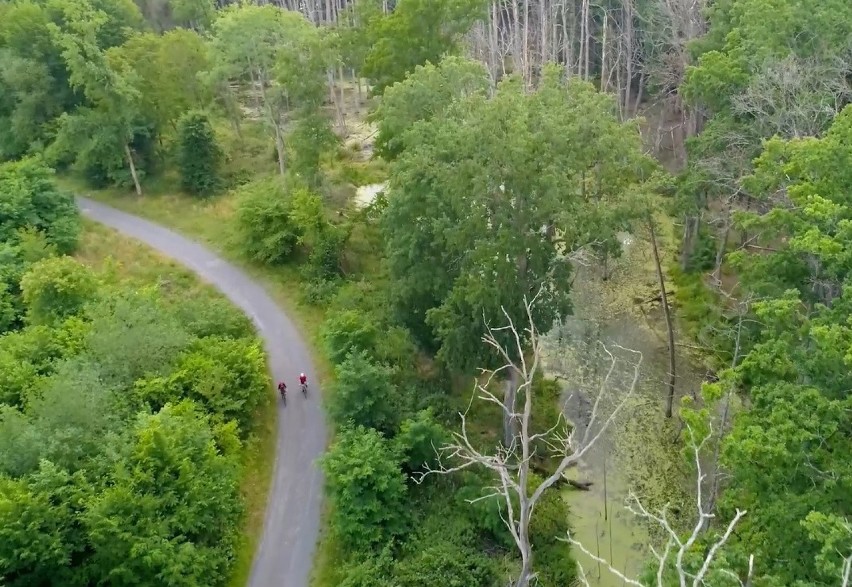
364,394
440,564
366,488
198,154
548,529
419,439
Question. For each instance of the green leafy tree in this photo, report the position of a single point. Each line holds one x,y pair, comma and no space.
29,199
414,33
366,489
443,563
165,71
264,227
196,14
473,225
364,395
37,527
56,288
226,377
98,137
73,415
198,154
347,332
276,50
790,452
424,94
418,440
132,337
309,140
171,510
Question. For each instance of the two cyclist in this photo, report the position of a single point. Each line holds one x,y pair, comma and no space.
303,382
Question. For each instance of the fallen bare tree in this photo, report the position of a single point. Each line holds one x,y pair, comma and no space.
511,463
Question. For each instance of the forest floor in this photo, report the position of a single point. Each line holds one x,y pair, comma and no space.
113,254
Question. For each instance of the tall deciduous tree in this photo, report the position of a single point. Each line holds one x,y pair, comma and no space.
100,134
474,225
415,32
280,52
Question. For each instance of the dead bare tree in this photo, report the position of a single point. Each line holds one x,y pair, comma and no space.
511,463
672,560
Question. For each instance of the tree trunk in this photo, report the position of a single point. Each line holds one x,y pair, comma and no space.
723,245
132,169
510,425
670,392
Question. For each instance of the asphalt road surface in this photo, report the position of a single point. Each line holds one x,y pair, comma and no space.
291,527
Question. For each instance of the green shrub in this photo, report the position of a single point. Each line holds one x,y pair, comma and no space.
225,376
364,394
366,489
56,288
198,155
264,227
347,332
441,564
418,440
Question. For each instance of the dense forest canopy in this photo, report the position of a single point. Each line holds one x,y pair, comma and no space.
520,141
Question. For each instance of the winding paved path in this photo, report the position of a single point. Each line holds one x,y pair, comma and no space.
285,555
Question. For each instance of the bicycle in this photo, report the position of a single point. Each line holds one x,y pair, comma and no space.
283,392
305,389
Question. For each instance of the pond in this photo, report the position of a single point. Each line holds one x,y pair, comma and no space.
597,351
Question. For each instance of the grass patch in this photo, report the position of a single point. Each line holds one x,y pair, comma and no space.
116,256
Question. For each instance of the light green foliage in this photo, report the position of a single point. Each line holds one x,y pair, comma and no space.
309,140
96,136
198,155
424,94
283,54
197,14
29,199
790,452
365,487
414,33
364,395
131,337
264,227
474,225
172,508
56,288
224,376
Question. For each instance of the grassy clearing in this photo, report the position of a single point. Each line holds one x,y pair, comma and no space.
117,256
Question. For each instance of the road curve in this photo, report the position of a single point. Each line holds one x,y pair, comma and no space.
291,525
